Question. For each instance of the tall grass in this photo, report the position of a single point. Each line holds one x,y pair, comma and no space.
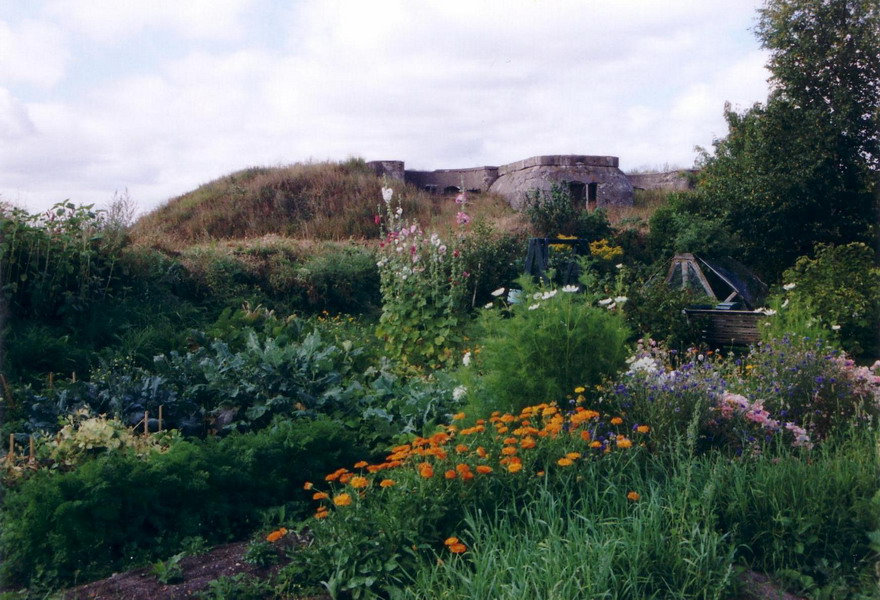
320,201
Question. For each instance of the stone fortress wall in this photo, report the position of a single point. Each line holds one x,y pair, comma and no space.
594,181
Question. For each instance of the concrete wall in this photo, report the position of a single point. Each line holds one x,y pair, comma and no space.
478,178
682,179
392,169
541,172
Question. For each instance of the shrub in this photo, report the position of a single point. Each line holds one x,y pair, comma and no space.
545,345
119,509
842,285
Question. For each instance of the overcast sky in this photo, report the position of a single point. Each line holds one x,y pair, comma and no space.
160,96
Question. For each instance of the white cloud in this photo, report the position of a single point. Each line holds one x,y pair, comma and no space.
437,84
32,52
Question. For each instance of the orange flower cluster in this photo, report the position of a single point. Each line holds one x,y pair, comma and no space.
517,435
276,535
455,546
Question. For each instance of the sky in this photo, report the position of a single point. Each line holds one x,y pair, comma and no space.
155,97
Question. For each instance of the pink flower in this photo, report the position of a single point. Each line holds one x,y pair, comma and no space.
462,218
461,198
377,219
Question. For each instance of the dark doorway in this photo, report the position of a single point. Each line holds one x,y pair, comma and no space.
578,192
592,195
451,189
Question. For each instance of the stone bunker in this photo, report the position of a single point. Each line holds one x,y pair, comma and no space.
594,181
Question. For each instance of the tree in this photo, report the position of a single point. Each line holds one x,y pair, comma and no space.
802,168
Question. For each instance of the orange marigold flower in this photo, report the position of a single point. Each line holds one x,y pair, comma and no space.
308,485
321,514
508,450
458,548
540,473
320,496
458,416
514,467
276,535
345,477
550,410
595,444
359,482
361,464
643,429
616,421
461,448
585,435
481,421
467,476
624,443
633,496
426,470
502,429
481,452
527,442
462,468
511,440
573,455
386,483
342,500
451,540
564,462
450,474
484,469
508,418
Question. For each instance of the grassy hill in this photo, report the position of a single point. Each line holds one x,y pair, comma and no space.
315,201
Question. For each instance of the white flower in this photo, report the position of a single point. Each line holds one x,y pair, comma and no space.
835,327
498,292
534,306
387,194
621,299
466,359
646,364
537,296
789,286
569,288
442,249
490,305
606,301
399,211
548,295
618,266
784,304
612,306
459,392
767,311
435,239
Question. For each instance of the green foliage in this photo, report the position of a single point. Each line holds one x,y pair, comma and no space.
119,509
689,223
260,553
168,571
554,212
655,310
545,345
842,286
236,587
423,288
492,259
342,281
802,168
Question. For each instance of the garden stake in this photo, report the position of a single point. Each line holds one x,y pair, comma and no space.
146,423
73,376
160,417
31,445
51,379
10,457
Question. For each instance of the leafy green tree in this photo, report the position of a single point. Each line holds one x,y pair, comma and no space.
802,168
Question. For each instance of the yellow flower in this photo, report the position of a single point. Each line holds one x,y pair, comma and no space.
564,462
579,389
616,421
386,483
359,482
514,467
573,455
342,500
633,496
643,429
624,443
